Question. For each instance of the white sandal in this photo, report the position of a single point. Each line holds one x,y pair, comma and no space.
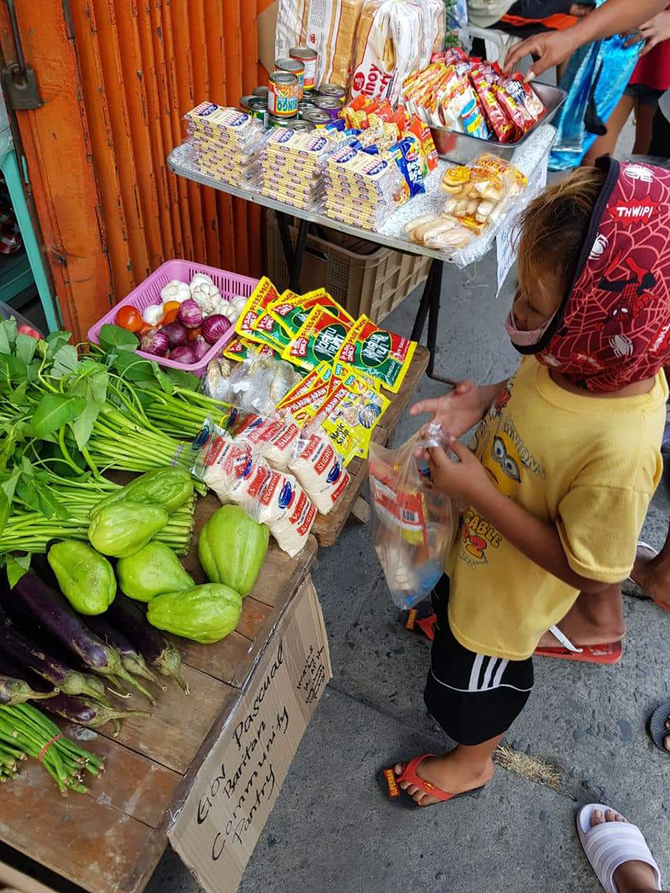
610,844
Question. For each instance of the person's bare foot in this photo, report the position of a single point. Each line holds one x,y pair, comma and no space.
631,877
651,573
447,773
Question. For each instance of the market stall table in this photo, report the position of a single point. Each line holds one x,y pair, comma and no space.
528,158
110,840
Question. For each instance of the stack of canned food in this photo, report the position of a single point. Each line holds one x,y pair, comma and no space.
292,98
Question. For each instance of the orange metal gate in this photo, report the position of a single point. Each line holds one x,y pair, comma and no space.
116,77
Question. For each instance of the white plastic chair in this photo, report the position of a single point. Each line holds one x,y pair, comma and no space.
497,43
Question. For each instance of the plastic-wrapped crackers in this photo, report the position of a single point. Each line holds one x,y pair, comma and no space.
291,165
225,142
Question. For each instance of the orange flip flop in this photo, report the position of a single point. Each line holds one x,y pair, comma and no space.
421,619
609,653
389,783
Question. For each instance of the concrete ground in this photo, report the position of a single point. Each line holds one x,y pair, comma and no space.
332,832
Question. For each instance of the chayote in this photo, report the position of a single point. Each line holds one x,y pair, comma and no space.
152,571
232,548
168,488
124,528
85,577
205,613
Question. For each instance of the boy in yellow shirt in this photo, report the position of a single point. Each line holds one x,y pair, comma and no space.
563,464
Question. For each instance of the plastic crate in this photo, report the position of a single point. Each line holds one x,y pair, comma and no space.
363,283
149,292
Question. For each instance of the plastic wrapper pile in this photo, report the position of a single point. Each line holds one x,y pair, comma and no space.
474,97
413,523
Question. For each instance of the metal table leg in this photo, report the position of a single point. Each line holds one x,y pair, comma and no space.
429,307
293,255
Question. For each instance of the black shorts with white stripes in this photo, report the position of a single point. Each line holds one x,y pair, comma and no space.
472,696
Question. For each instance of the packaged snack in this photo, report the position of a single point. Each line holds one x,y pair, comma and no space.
262,296
304,400
291,310
497,119
421,130
319,338
239,349
407,155
377,353
318,468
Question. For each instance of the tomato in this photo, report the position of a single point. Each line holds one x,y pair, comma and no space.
129,318
192,334
25,329
170,315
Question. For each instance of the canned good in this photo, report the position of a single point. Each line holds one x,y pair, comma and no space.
306,105
292,66
244,102
261,92
258,108
274,121
333,91
316,117
283,95
332,106
302,126
309,59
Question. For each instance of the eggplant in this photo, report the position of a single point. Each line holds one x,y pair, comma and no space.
87,712
52,610
25,653
162,655
16,691
131,659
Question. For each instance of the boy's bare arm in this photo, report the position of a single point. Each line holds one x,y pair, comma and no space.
468,483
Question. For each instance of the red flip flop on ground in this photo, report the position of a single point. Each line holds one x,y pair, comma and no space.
389,783
420,620
609,653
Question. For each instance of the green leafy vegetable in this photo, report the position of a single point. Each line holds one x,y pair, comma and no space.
115,337
55,410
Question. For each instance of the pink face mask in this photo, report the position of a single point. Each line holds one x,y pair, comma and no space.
525,339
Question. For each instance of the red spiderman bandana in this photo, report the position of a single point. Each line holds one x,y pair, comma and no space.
613,328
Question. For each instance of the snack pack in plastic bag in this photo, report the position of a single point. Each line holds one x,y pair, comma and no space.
413,524
256,384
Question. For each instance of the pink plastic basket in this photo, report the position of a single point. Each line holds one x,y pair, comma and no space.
149,292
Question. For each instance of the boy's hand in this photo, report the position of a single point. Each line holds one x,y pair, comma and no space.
457,411
465,481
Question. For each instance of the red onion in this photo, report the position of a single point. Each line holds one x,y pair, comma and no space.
199,347
190,315
183,355
175,334
215,327
153,341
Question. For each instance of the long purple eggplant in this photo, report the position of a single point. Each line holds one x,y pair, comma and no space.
132,660
53,612
158,652
71,682
16,691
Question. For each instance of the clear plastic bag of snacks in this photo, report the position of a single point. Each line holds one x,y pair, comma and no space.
413,524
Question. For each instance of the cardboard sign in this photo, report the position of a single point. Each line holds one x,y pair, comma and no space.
505,249
217,828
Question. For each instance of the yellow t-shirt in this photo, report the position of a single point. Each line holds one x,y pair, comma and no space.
588,464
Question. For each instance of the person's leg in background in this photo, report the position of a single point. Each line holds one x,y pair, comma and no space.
605,145
660,136
644,119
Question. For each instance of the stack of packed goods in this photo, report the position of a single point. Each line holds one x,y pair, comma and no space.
225,142
290,166
477,194
469,96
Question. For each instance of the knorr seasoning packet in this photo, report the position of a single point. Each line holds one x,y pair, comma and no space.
377,353
319,338
262,296
238,349
350,414
291,310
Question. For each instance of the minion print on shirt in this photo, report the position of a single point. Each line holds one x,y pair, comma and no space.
500,449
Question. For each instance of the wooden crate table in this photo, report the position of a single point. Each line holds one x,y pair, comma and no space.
110,840
328,527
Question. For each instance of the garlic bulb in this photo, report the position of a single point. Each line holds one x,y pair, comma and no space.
153,314
226,309
176,290
207,297
201,279
239,303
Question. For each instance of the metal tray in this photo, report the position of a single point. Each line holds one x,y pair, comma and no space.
462,148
